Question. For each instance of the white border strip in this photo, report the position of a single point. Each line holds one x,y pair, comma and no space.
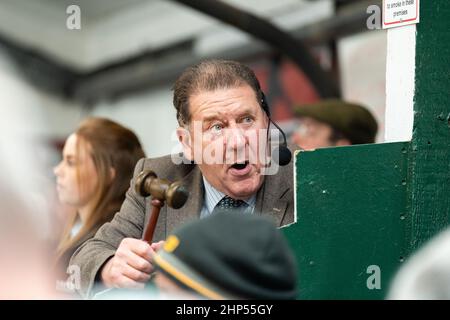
400,76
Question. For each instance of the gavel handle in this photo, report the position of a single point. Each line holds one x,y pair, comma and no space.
150,229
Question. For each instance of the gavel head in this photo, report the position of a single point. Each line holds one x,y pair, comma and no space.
173,193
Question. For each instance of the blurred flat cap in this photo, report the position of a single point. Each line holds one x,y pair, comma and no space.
354,121
230,256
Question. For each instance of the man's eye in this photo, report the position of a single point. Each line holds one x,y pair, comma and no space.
247,120
216,128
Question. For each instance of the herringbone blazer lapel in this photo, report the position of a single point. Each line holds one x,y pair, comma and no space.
275,198
270,201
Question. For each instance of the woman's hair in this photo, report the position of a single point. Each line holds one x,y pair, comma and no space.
111,146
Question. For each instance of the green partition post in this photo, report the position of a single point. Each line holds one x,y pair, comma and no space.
362,210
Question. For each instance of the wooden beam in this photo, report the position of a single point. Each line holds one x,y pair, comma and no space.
281,41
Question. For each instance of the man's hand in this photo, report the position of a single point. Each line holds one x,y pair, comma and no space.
131,266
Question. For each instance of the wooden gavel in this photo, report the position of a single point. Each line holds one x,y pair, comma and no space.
173,193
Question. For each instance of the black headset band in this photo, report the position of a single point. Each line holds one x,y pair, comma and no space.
264,104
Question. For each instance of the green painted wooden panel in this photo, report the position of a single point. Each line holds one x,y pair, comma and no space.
430,157
375,204
351,213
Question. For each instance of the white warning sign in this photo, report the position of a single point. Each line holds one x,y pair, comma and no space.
398,13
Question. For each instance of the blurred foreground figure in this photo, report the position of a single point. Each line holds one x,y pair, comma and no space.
333,123
24,216
426,275
226,256
24,267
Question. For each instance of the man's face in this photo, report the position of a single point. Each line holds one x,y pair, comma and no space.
312,134
225,139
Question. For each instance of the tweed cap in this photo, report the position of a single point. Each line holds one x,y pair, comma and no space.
354,121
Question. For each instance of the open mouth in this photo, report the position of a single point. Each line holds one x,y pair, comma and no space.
240,169
240,166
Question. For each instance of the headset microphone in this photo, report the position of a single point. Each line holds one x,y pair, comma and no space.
282,155
282,152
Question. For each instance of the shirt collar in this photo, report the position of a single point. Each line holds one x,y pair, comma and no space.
213,196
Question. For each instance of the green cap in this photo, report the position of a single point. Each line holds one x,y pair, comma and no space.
354,121
230,256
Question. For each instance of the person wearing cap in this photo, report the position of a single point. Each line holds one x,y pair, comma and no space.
223,121
333,123
227,256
